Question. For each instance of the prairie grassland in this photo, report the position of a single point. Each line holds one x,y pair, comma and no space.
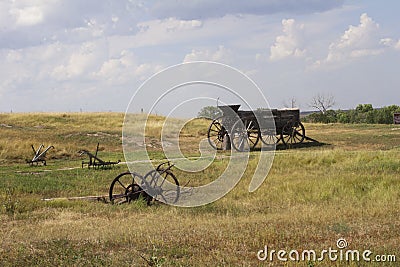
347,188
67,132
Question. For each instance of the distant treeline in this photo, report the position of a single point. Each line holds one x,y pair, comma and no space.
363,113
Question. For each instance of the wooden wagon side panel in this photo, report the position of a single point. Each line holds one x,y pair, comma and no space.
284,116
229,113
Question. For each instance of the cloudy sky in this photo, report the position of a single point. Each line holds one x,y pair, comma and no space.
72,55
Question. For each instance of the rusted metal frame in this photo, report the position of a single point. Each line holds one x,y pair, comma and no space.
39,156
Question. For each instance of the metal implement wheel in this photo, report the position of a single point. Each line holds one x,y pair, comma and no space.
245,135
293,133
162,184
269,137
125,188
216,133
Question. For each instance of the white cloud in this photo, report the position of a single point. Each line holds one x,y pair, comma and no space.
26,23
358,41
358,37
222,55
389,42
170,24
25,13
200,9
289,44
28,16
13,56
82,62
124,68
173,24
158,31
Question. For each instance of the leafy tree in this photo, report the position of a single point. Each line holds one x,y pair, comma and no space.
343,117
330,116
364,108
386,114
363,113
209,112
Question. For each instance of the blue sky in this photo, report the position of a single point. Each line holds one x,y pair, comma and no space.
72,55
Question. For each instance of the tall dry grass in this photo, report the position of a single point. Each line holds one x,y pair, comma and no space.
348,188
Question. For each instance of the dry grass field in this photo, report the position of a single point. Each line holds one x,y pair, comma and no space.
347,187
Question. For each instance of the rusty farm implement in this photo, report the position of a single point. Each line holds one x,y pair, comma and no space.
159,184
94,160
39,155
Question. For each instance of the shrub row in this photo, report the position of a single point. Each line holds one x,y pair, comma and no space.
363,113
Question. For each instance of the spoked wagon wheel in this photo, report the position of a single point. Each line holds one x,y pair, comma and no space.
125,187
293,133
245,135
269,137
162,185
216,133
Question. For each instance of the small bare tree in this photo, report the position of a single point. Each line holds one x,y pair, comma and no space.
292,103
322,102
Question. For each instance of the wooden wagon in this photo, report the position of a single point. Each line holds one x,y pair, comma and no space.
244,129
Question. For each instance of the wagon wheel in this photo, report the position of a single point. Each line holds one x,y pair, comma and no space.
125,188
269,137
162,184
245,135
216,133
293,133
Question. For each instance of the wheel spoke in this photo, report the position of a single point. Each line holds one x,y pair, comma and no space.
254,136
162,196
249,126
216,140
162,183
241,142
218,127
122,184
